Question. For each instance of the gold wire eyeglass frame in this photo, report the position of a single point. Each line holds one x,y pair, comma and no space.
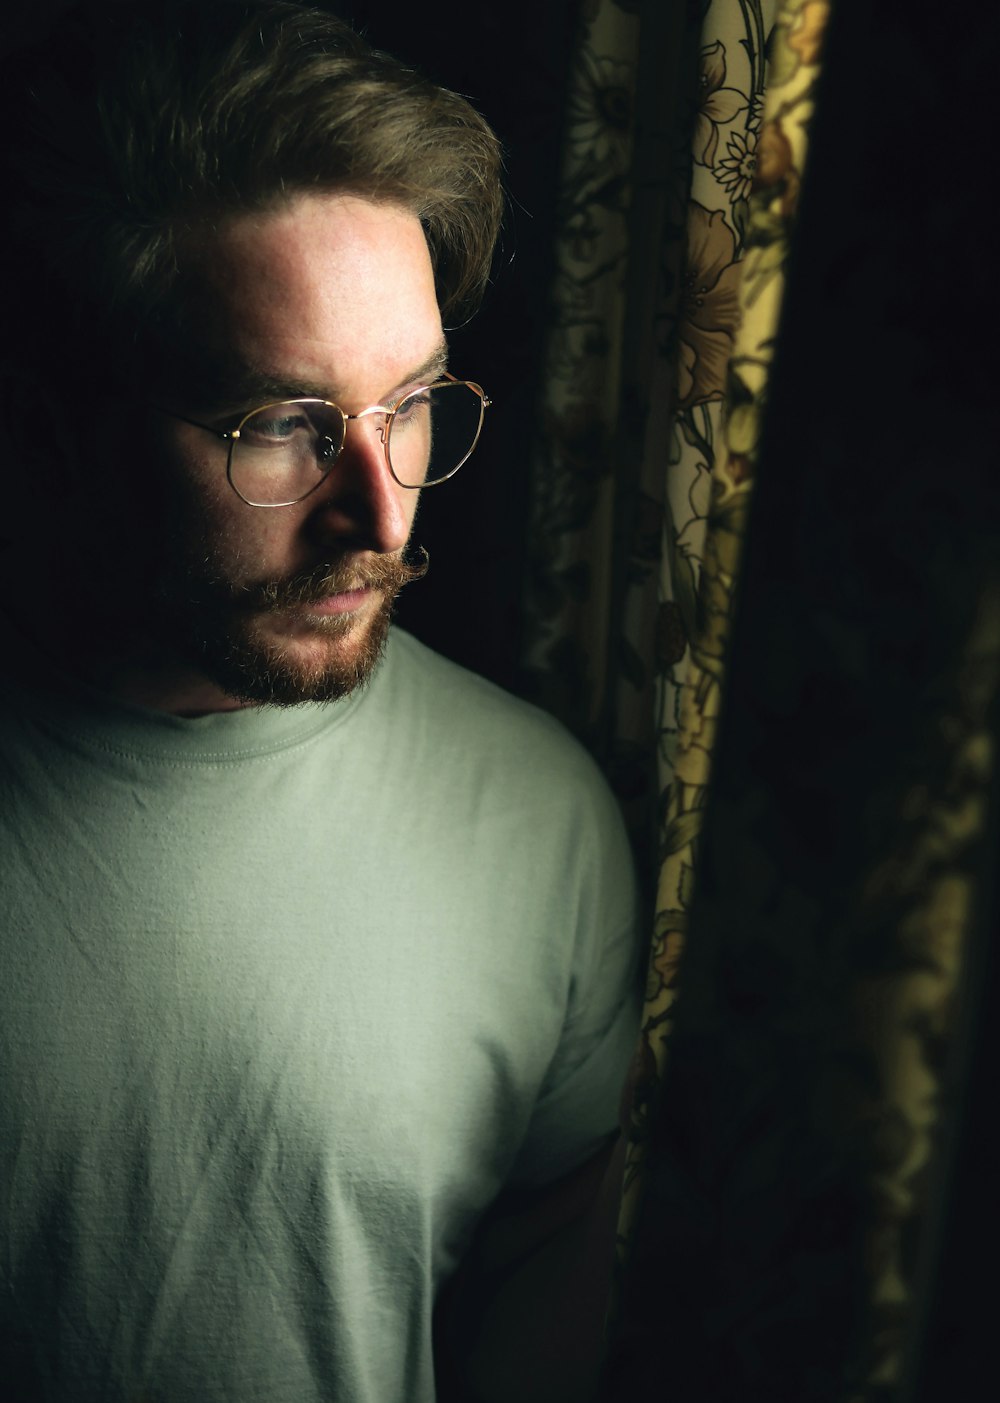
231,436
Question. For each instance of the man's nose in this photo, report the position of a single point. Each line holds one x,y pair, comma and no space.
360,502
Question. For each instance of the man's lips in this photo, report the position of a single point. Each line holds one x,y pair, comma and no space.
343,603
328,590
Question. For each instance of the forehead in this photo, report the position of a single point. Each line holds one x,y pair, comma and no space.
332,290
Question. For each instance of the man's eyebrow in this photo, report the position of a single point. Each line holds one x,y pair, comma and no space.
241,384
432,368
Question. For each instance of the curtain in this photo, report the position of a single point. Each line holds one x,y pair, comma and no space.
764,589
731,291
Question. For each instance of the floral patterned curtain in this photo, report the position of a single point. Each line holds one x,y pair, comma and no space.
664,142
733,284
812,789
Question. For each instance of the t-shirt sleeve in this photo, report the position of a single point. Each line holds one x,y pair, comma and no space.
579,1101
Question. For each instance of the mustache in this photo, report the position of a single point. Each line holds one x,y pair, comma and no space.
386,572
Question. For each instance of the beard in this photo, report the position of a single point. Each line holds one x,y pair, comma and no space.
258,643
173,595
178,595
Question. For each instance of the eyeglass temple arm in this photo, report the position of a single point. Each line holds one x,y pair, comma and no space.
224,434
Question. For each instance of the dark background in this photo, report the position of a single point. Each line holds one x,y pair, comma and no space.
511,62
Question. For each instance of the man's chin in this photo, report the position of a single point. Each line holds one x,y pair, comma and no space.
258,662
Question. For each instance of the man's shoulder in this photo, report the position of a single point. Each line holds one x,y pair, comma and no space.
470,709
420,667
488,757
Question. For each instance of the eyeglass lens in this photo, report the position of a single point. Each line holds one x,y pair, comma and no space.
285,450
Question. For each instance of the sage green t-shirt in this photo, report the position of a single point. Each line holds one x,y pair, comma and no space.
286,998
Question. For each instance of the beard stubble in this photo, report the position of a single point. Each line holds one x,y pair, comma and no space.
233,633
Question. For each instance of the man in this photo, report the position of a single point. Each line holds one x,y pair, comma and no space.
319,954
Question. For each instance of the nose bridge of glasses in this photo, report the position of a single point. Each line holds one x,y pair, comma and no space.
378,417
331,426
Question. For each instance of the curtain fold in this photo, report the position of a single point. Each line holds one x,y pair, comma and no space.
595,527
741,216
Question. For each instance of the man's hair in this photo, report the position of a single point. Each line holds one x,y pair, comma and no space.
137,127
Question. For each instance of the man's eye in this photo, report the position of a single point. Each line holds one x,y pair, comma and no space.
412,407
274,428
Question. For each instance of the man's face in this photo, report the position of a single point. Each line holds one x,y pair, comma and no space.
331,297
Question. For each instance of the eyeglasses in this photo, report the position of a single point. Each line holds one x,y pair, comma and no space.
280,453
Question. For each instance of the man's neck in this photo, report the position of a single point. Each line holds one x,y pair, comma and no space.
174,690
164,683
